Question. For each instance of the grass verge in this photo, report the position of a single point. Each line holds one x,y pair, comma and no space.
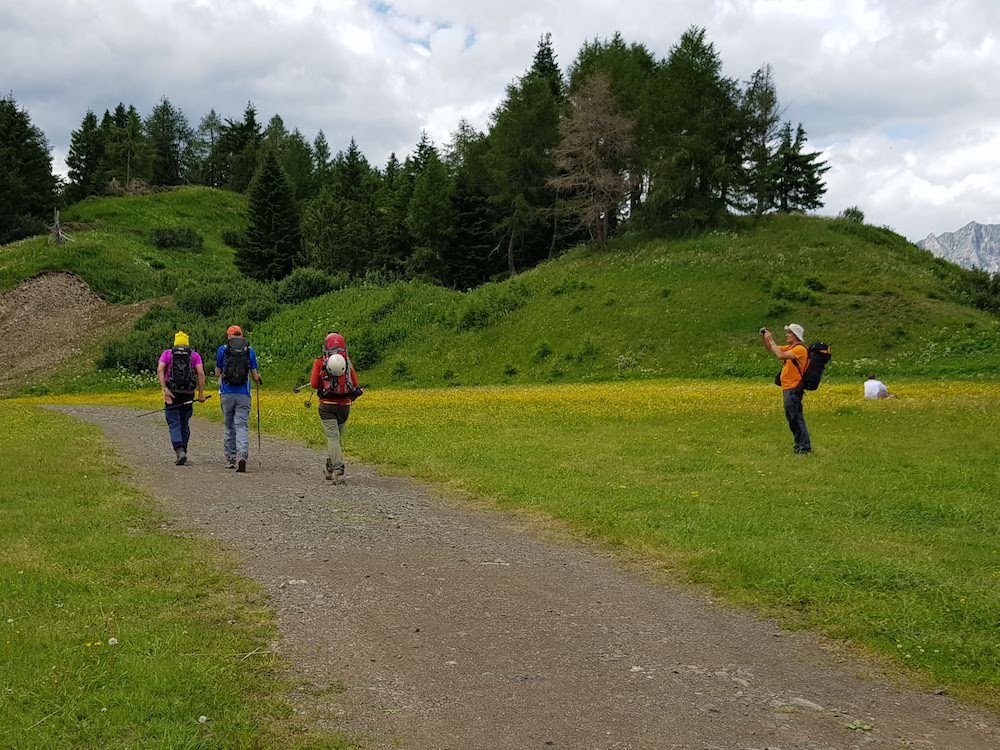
113,634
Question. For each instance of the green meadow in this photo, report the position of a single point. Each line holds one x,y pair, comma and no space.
886,537
114,634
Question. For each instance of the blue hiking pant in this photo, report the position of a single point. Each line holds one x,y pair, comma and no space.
236,433
796,421
178,418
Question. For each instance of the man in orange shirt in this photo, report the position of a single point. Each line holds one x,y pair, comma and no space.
795,357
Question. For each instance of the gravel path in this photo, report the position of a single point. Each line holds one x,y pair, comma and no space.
463,629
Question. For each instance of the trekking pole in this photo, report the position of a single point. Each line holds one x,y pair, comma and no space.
171,406
258,424
298,388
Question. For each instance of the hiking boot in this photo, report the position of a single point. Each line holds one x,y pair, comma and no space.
230,463
182,456
328,472
339,479
241,466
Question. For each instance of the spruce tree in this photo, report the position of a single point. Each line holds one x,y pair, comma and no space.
695,124
392,238
761,121
322,162
799,174
468,260
297,160
170,144
85,159
273,240
525,129
235,153
207,135
27,185
430,218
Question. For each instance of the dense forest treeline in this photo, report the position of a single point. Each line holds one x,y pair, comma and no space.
621,138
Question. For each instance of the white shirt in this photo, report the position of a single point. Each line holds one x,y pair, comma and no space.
875,389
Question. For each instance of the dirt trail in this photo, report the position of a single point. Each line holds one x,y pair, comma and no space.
461,629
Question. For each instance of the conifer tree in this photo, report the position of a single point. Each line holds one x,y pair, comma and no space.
799,184
339,225
235,153
27,185
322,162
630,69
273,240
468,260
126,152
430,218
596,140
207,135
695,122
85,159
525,129
298,163
392,238
170,138
762,119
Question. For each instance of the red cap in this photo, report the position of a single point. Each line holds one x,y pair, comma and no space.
234,331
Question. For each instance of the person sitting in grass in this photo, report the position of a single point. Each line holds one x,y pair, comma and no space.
875,388
180,371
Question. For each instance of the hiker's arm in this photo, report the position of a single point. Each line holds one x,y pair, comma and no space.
200,369
161,375
314,380
774,348
256,376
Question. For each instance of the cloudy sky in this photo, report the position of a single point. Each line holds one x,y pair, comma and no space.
902,96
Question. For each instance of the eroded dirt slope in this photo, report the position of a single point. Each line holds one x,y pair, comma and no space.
49,321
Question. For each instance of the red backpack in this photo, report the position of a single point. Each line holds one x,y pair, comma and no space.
331,386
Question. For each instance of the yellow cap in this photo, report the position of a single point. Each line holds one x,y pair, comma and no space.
181,339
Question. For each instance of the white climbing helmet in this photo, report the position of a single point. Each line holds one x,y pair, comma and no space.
336,365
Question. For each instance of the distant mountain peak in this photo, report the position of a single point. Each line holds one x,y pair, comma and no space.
973,246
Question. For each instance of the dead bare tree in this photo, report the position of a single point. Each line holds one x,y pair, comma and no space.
595,139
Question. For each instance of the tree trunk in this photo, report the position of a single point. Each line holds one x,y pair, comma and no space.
552,245
510,254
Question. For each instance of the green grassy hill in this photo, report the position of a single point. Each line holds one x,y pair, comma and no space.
114,252
646,307
657,308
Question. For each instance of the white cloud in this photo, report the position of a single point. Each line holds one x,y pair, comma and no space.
900,96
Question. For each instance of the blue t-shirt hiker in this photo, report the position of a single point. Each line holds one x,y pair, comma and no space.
236,366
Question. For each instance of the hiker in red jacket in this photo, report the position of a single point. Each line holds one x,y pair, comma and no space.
336,385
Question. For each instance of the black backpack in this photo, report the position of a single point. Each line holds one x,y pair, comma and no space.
819,358
236,361
182,375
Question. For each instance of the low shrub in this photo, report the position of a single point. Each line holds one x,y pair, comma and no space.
177,238
306,283
400,370
542,351
234,239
